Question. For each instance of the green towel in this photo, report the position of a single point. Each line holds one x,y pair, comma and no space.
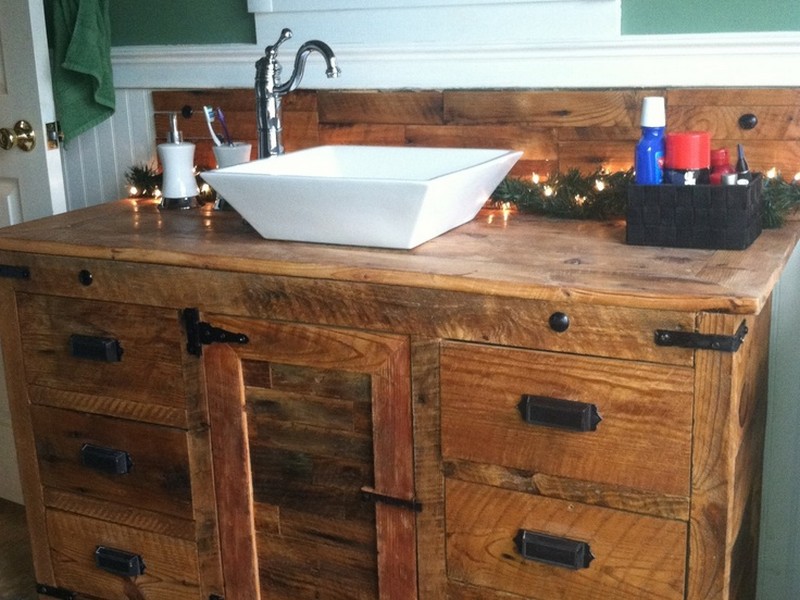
83,85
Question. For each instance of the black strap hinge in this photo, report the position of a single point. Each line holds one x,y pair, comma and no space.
199,333
15,272
702,341
369,494
54,592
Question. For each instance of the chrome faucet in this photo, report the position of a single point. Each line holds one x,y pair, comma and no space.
270,90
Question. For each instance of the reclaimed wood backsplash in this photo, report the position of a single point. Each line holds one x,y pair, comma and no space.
556,129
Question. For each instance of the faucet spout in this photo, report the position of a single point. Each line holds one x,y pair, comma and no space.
331,70
269,89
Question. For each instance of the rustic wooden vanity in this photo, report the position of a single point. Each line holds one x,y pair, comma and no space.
521,408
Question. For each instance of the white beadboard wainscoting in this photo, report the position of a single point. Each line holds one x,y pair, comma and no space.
95,162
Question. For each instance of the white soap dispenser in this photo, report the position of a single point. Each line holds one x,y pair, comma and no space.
179,186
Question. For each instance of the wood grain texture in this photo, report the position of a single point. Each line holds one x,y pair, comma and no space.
150,341
728,432
24,439
566,261
429,478
324,413
170,564
556,129
645,410
635,557
571,489
158,479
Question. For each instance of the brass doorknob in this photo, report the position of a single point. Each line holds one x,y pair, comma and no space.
23,136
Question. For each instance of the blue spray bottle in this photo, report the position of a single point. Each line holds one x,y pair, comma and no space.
649,157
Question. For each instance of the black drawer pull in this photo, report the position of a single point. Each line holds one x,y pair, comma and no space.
106,460
555,412
118,562
104,349
561,552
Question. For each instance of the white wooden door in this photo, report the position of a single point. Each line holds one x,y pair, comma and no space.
31,183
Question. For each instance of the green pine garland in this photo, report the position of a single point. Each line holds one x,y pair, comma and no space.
603,195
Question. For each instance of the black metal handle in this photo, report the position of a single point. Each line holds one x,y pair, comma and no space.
555,412
118,562
103,349
561,552
106,460
15,272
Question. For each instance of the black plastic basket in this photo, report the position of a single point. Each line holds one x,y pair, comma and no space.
722,217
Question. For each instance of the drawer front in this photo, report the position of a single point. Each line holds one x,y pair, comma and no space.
170,565
634,556
127,463
642,442
126,352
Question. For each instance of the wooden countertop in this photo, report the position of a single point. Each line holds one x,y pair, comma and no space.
525,256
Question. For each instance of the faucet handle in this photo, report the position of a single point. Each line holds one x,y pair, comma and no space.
272,51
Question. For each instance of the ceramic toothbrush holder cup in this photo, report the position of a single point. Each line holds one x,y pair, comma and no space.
228,156
236,154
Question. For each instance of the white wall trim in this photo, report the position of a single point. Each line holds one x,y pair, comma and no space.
289,6
758,59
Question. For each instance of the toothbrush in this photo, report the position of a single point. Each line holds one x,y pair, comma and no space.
209,114
228,140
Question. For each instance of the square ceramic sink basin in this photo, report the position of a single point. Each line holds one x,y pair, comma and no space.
388,197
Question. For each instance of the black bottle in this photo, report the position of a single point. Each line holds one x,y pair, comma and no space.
743,173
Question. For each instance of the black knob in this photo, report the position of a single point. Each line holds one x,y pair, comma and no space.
559,322
748,121
85,277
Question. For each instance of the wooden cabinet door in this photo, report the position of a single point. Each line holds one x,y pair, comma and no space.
308,426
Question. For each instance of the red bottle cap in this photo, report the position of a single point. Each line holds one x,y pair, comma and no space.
719,157
687,150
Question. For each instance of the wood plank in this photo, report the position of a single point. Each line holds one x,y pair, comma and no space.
588,158
367,134
634,556
428,477
24,439
112,407
729,422
545,108
386,107
231,472
733,96
537,143
774,122
565,488
571,262
80,504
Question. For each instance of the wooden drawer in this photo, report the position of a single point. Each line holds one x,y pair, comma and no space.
171,565
148,372
643,441
83,453
635,556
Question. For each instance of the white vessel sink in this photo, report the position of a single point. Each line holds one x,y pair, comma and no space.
389,197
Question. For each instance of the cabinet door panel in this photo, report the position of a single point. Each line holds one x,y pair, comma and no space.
303,419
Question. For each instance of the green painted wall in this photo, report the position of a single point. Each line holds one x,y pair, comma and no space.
709,16
143,22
